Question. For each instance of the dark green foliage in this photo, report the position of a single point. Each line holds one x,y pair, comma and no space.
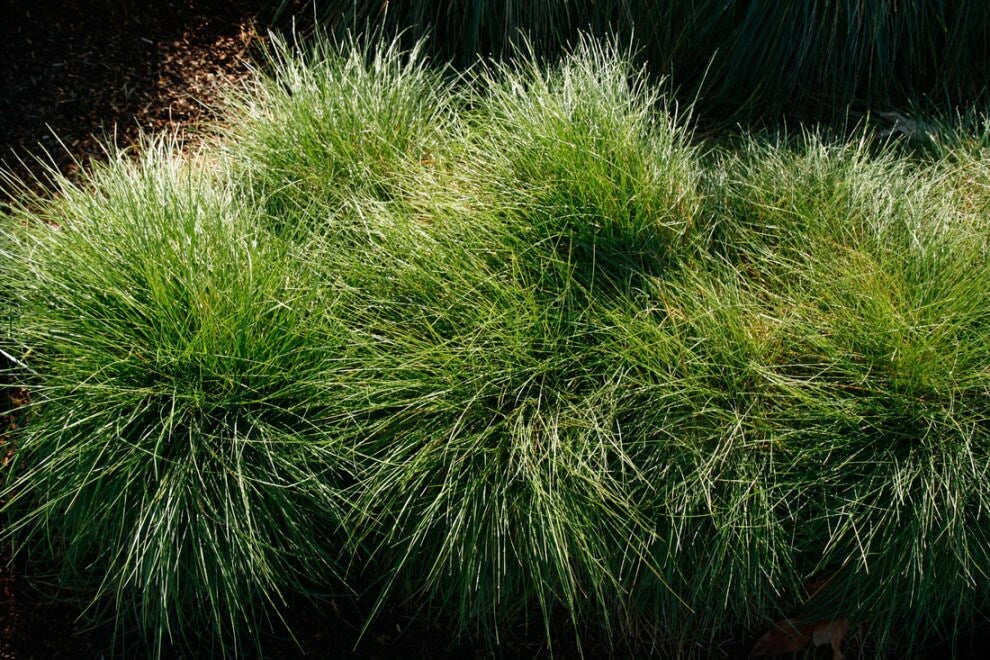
173,460
751,59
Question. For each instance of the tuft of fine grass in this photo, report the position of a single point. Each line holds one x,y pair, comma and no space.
589,164
883,276
173,351
510,348
498,484
325,122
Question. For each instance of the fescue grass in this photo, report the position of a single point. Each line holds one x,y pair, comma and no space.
320,129
173,351
590,166
498,484
515,347
892,285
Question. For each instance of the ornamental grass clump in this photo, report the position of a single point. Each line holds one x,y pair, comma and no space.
174,464
884,279
959,155
322,123
510,348
700,416
591,166
499,483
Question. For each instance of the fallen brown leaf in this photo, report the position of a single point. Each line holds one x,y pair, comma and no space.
787,637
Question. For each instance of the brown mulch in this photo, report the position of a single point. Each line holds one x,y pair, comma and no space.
74,75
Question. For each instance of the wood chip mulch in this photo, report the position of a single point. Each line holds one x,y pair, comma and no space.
74,74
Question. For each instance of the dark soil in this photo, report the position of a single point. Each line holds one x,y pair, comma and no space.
75,74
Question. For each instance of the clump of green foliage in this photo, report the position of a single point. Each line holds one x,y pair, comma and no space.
516,346
743,61
173,351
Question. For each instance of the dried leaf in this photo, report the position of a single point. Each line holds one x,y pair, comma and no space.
783,637
832,633
787,637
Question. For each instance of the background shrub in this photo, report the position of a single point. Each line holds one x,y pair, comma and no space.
745,60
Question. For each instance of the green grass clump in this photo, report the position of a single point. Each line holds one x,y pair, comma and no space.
589,165
324,125
702,419
173,350
883,275
516,348
497,481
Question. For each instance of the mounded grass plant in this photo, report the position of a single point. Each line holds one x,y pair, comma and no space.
701,414
590,165
330,121
499,482
174,462
884,278
513,347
